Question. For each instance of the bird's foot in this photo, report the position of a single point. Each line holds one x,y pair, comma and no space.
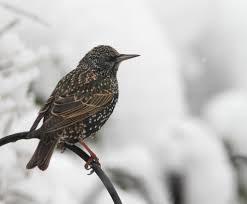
92,159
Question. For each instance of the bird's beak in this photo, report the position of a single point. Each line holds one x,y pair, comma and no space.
123,57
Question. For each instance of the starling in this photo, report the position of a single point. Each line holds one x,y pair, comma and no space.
81,103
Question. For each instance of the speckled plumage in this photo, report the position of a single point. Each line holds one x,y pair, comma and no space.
80,104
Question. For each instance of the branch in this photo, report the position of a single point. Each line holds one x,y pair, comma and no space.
15,137
9,26
96,168
101,174
239,157
24,13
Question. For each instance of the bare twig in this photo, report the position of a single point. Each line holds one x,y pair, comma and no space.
101,174
24,13
96,168
13,138
9,26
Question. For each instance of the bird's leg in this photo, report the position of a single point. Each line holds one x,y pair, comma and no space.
93,157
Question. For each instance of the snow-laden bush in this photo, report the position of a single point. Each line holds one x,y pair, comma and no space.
17,72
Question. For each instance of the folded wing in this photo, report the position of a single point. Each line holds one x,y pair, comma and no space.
71,109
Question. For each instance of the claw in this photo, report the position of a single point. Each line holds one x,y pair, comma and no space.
88,165
91,172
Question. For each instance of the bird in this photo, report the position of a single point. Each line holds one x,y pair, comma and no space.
79,106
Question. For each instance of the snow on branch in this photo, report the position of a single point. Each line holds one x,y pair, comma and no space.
24,13
9,26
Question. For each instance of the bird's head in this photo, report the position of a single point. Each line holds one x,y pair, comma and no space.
105,59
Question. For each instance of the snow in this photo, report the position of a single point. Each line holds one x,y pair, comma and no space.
128,35
190,149
227,113
186,64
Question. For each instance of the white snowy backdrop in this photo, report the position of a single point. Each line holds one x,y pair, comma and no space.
182,108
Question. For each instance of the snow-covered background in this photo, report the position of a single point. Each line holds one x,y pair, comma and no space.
182,109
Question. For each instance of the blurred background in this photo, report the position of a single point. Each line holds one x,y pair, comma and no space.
182,112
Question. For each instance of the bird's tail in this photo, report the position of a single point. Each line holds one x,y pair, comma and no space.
42,154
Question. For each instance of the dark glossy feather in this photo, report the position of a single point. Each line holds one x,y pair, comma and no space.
79,106
72,109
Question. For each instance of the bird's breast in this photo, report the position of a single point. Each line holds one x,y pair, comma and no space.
93,123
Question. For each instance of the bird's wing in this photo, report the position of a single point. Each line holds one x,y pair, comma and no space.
42,112
58,104
71,109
